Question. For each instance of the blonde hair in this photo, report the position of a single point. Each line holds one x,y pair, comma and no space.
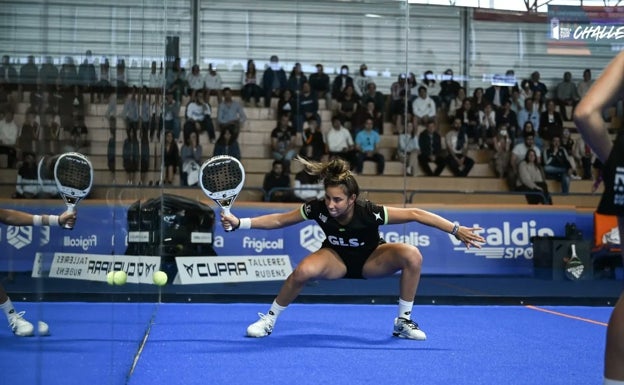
335,172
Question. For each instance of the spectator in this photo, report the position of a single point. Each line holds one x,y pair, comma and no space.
79,132
551,124
398,98
131,110
8,138
287,105
361,81
273,80
571,148
194,117
518,153
48,74
423,108
103,86
531,179
9,74
191,159
585,84
526,92
457,102
379,101
341,81
307,187
430,144
231,113
227,144
433,88
566,95
28,139
529,114
408,149
502,152
195,81
339,142
27,184
478,100
29,76
320,84
557,164
506,117
284,142
448,88
206,123
251,89
156,79
130,156
172,115
347,107
156,117
296,79
171,158
87,78
313,147
517,103
537,85
276,184
469,118
51,132
496,95
487,126
367,146
307,108
364,112
457,145
213,84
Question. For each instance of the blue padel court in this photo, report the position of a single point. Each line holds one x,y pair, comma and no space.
205,343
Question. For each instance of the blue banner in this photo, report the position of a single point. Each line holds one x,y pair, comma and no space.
103,230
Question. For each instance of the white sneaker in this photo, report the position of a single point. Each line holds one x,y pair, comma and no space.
20,326
405,328
262,327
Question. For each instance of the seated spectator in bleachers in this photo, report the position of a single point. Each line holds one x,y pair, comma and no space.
276,184
496,95
28,139
194,117
121,77
378,99
313,141
227,144
478,101
287,105
347,107
423,108
518,153
155,122
145,115
574,156
79,132
284,142
431,151
398,98
341,81
308,107
207,123
48,74
339,142
9,73
469,118
507,118
171,157
7,102
8,138
566,95
51,132
86,74
433,87
195,81
517,103
367,146
529,113
171,116
191,160
320,84
585,84
528,129
131,110
457,102
131,155
408,149
557,164
551,123
27,184
537,86
486,127
361,81
307,187
251,89
231,113
456,141
274,80
29,76
501,158
367,111
448,88
156,79
531,179
296,79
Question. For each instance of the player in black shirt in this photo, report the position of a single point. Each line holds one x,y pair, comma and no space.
607,90
352,247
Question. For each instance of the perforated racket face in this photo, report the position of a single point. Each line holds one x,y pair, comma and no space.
222,176
74,174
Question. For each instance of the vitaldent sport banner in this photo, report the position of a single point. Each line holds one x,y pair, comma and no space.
102,230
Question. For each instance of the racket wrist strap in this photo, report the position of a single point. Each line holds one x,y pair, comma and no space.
244,223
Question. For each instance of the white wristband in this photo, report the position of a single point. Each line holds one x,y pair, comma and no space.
53,220
37,220
245,223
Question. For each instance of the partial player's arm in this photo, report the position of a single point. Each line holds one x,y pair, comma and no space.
266,222
20,218
608,88
467,235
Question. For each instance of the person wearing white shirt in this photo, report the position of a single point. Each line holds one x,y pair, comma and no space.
195,80
307,187
213,84
408,149
423,108
339,142
9,132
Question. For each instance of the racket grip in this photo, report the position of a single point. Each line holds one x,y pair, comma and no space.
70,209
226,211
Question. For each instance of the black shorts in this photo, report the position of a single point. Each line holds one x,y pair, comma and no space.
612,201
354,261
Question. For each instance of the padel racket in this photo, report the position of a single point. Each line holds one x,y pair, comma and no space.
574,266
73,174
221,179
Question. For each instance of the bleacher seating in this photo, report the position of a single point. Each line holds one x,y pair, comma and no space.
480,187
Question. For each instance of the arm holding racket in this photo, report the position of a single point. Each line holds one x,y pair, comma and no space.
265,222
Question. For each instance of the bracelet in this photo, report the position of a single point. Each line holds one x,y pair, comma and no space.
455,229
244,223
37,220
53,220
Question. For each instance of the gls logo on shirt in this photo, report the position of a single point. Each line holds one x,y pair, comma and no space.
338,241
